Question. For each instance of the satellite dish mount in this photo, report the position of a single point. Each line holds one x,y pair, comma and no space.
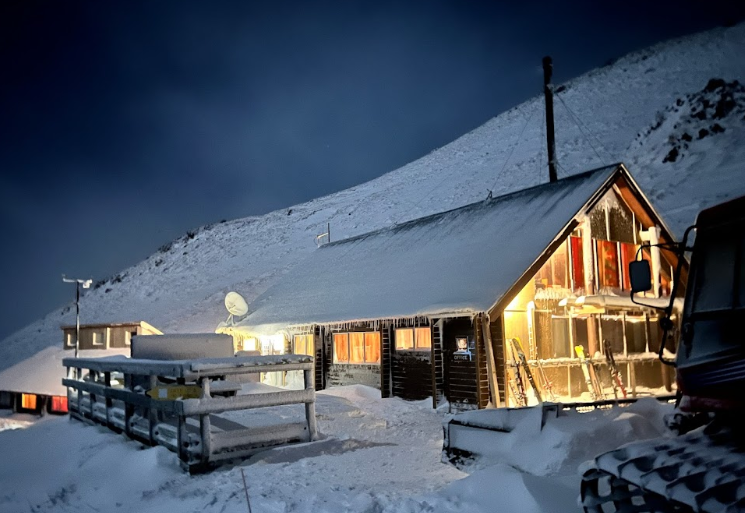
236,305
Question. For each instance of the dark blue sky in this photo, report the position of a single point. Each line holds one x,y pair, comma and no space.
125,124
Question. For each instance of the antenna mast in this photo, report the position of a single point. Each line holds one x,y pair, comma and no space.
548,92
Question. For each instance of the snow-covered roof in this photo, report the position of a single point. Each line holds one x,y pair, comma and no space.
458,262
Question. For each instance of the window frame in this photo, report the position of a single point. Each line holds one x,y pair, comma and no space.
364,334
415,339
308,341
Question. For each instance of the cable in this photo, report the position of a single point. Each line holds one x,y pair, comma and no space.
519,138
579,124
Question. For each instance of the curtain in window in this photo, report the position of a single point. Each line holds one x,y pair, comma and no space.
628,254
341,348
28,401
303,344
607,263
423,338
59,404
578,267
356,348
405,339
372,347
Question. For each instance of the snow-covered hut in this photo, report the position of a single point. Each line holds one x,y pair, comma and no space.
429,308
34,385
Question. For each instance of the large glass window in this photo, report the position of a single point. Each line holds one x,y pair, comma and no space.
303,344
357,347
414,339
554,273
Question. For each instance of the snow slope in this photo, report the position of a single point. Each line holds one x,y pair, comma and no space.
630,112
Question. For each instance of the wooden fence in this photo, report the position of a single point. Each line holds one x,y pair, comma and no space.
176,403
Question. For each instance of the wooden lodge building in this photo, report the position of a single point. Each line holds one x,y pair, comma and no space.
425,308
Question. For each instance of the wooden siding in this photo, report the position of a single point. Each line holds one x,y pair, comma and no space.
460,386
352,374
385,360
438,370
319,377
482,383
412,374
496,331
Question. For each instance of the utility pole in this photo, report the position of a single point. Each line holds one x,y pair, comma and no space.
86,284
548,69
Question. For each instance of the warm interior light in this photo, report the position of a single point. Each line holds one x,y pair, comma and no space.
59,404
28,401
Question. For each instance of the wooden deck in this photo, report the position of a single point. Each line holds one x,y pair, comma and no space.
116,392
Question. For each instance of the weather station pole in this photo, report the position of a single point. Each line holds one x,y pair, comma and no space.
86,284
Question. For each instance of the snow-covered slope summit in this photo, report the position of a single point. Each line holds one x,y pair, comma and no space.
629,111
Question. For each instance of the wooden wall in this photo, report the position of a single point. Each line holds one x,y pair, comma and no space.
460,383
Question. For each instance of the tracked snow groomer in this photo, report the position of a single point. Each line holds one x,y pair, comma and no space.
703,468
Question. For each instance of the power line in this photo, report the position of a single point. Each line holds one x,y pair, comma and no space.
519,138
580,126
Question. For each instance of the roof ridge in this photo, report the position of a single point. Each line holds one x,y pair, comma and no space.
429,217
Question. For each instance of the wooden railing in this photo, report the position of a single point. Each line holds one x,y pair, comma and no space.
175,403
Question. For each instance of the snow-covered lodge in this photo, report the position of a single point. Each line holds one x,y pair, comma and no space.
427,308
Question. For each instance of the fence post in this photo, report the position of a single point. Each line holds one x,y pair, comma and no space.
152,413
205,424
310,408
128,408
109,403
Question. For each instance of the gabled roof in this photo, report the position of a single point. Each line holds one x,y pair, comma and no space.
458,262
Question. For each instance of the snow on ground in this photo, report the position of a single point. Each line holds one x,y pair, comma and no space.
376,455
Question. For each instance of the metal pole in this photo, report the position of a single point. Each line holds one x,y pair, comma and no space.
549,97
77,317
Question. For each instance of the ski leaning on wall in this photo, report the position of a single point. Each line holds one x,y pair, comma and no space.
523,363
615,376
593,386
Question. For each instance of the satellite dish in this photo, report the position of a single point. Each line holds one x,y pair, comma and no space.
235,304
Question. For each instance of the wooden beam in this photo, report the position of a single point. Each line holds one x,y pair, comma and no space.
491,363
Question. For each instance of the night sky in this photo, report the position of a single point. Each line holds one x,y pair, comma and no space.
125,124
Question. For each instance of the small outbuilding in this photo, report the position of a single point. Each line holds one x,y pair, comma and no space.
35,386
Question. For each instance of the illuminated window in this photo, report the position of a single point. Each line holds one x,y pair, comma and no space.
554,273
413,339
357,347
128,337
608,275
98,338
341,348
59,404
28,401
303,344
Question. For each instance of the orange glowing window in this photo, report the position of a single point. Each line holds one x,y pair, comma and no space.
59,404
608,275
341,348
357,347
28,401
414,339
405,339
303,344
423,338
372,347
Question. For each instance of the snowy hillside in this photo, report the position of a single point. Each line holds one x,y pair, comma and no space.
645,109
